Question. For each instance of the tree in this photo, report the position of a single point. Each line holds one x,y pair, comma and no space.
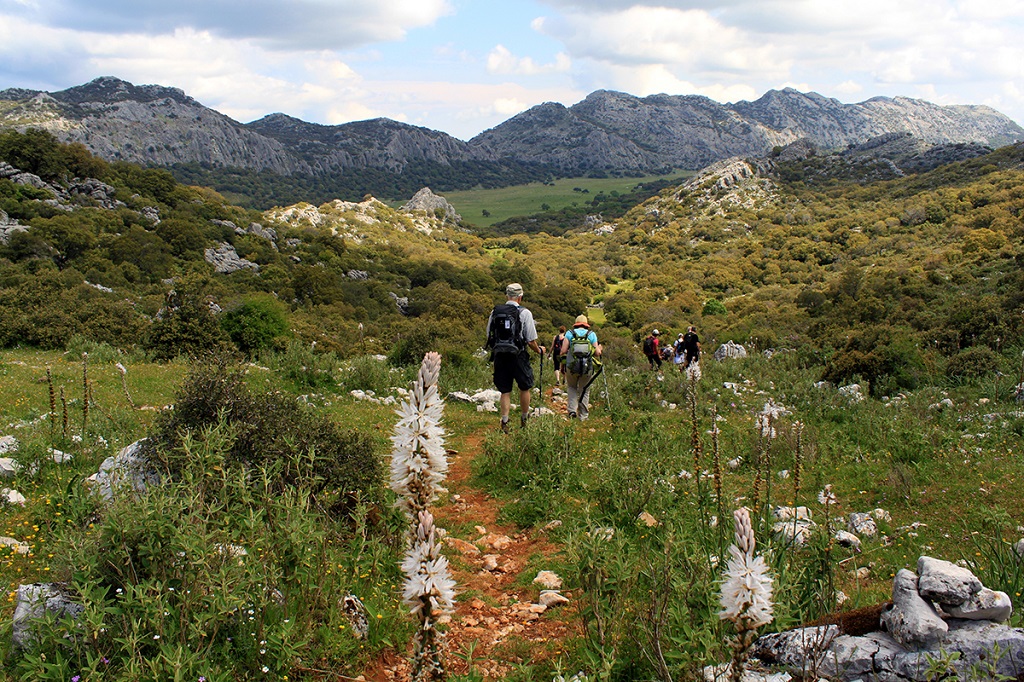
186,325
255,324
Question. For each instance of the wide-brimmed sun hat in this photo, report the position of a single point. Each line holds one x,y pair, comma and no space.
514,290
581,321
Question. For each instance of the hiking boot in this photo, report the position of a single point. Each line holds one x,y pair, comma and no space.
504,426
522,420
572,415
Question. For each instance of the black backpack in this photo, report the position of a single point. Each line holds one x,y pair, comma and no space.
649,346
506,332
581,352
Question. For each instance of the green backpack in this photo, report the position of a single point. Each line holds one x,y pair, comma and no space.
580,359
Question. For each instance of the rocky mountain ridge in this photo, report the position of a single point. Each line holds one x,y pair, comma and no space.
606,133
616,130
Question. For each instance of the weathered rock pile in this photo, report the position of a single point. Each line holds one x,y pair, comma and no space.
941,612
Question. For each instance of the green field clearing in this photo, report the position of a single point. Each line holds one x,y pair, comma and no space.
520,200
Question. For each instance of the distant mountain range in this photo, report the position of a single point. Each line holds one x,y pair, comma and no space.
606,133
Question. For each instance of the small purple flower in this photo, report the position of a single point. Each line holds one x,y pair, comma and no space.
104,660
76,678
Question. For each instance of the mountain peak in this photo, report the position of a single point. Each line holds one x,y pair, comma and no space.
109,90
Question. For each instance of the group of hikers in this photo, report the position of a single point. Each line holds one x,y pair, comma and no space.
684,352
575,353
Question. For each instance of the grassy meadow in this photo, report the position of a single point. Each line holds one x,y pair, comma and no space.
520,200
946,475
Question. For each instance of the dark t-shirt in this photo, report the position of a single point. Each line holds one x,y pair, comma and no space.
691,343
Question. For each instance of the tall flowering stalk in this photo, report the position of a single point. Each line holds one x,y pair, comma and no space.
716,461
418,467
798,460
746,593
124,383
692,377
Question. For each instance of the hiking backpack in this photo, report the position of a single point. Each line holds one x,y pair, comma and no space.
649,346
581,353
506,331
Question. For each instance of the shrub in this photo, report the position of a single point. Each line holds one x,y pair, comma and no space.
973,362
714,307
271,429
187,325
255,324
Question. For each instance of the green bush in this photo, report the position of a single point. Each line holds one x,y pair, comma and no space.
255,324
220,573
714,307
973,362
271,431
187,325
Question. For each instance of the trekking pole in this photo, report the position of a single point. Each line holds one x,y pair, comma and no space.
607,393
540,381
600,371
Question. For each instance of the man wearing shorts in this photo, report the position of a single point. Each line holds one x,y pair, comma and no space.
516,367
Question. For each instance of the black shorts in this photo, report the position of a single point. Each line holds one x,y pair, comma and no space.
509,367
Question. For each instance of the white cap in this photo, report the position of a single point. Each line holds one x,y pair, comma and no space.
656,332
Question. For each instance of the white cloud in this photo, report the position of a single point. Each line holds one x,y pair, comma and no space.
955,49
502,61
849,87
295,24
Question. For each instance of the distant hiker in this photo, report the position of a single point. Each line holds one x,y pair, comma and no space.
557,357
510,331
651,349
691,347
678,354
581,351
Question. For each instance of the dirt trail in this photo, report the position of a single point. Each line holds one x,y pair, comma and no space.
495,618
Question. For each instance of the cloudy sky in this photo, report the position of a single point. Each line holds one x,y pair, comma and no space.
463,66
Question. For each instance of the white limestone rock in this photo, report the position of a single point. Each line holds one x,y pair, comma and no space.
863,524
551,598
985,604
548,579
910,619
847,539
9,467
944,582
33,601
797,532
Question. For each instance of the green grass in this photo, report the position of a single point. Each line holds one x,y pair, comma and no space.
521,200
954,473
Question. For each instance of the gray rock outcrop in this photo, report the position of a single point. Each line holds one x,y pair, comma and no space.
226,260
127,470
33,602
730,349
966,635
428,202
912,621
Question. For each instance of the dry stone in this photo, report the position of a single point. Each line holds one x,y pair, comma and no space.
863,524
548,579
730,349
125,469
985,604
945,582
34,601
911,620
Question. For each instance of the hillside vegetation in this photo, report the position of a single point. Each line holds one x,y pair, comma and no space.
911,286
